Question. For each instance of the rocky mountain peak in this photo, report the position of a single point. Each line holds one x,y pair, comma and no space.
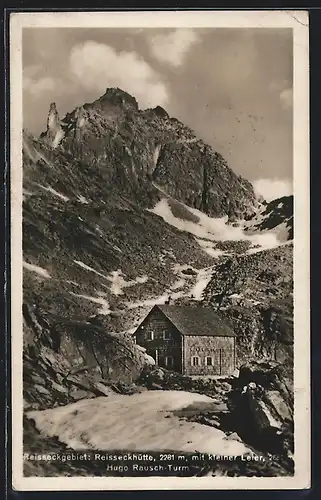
146,154
53,120
158,111
53,114
54,133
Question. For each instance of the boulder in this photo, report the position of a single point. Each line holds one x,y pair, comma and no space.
80,394
270,375
79,360
93,349
233,437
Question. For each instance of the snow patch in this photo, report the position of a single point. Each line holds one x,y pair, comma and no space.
118,282
116,278
212,229
99,231
58,138
208,246
33,153
203,278
213,252
196,285
105,309
178,284
36,269
141,279
166,255
156,154
143,421
83,200
25,192
130,331
88,268
281,244
81,122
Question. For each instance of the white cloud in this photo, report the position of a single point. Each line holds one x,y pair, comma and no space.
31,71
278,85
271,189
36,86
286,98
172,48
98,66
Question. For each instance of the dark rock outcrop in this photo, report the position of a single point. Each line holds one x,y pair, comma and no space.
261,405
67,360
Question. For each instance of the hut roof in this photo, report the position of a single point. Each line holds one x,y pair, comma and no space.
197,321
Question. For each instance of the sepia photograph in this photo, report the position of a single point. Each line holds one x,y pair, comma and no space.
160,232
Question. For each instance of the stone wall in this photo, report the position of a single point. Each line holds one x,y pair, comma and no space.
220,349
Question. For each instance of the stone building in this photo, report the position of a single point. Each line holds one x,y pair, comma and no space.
188,340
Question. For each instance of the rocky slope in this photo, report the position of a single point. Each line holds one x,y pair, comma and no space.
255,293
276,216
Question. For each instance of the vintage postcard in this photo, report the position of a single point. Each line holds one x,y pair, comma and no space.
160,250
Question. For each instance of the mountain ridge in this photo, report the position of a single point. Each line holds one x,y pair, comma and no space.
148,145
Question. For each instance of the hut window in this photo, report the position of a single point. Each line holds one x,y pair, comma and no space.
169,361
209,361
166,335
195,361
150,335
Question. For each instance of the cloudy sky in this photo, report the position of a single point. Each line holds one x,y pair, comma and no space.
233,87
